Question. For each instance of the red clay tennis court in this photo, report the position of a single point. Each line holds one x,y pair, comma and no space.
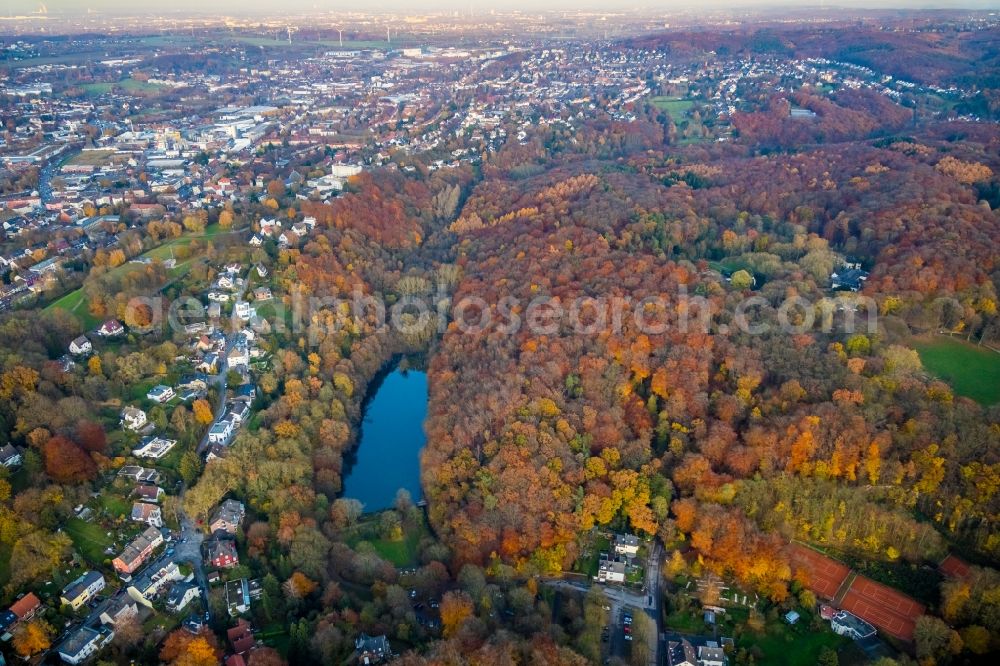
954,566
825,575
893,612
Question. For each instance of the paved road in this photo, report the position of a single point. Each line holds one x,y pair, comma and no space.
187,548
221,380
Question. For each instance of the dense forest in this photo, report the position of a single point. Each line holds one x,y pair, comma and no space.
670,418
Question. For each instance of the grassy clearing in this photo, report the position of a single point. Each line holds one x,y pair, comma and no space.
75,303
128,85
89,539
402,552
91,158
675,106
973,372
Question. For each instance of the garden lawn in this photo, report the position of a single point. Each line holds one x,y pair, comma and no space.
75,303
791,645
972,371
89,539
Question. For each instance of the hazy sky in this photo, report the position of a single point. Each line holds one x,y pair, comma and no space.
417,6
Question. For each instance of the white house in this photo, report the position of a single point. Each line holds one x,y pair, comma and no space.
238,409
150,514
243,310
83,643
133,419
238,356
269,227
627,544
852,626
152,580
160,393
221,432
611,572
181,594
711,655
10,456
154,447
80,346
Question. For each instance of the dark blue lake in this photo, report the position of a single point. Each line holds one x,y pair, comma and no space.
392,433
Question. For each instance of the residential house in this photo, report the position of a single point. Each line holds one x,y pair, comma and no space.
155,578
153,446
711,654
627,544
215,452
8,621
81,346
227,517
133,419
194,382
117,609
221,432
256,240
261,294
270,227
82,590
288,239
243,310
26,607
139,474
239,409
241,637
261,270
239,594
246,391
10,456
84,642
372,649
238,356
160,393
181,594
138,551
852,626
214,311
611,572
852,279
148,493
209,364
143,512
111,328
221,553
681,653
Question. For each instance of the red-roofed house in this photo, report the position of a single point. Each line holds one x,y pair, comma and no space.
26,607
